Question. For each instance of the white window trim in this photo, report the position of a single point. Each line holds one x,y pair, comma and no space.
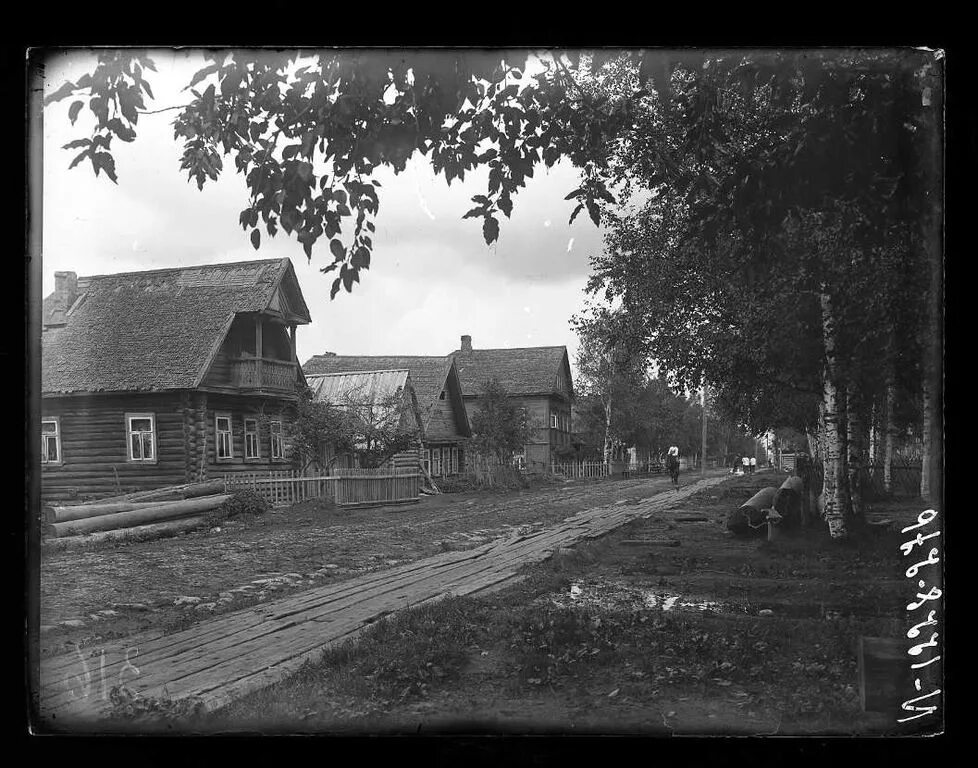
257,442
554,420
272,440
57,441
217,437
130,433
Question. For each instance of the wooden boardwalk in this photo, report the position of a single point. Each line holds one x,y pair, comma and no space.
221,659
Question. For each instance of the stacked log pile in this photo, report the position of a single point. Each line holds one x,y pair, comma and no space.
147,514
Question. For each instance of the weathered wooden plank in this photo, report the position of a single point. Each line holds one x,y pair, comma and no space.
240,652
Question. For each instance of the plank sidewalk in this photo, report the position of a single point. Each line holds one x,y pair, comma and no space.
219,660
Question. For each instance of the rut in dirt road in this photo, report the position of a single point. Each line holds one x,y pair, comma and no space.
217,661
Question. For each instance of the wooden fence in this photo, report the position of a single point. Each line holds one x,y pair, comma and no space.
904,480
580,469
597,469
343,487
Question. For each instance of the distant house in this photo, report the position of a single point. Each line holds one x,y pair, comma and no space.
167,376
383,400
444,422
539,378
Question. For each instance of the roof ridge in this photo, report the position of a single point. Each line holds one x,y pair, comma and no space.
358,373
161,270
511,349
335,356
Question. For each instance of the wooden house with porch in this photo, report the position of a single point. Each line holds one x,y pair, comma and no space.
167,376
538,378
444,422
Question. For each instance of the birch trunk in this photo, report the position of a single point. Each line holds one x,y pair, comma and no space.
833,460
889,438
873,435
607,431
855,457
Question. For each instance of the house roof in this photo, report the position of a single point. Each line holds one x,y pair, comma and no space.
364,387
521,370
429,375
155,330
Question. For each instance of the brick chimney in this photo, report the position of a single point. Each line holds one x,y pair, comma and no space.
66,288
466,344
65,293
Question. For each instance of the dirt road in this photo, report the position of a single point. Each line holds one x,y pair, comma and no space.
222,658
109,591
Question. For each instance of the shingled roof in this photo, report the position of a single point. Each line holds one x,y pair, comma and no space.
155,330
429,375
521,370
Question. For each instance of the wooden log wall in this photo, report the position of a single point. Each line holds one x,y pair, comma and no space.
94,447
241,407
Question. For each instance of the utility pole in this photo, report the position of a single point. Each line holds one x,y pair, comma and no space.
703,448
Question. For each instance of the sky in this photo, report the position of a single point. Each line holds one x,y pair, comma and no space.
432,277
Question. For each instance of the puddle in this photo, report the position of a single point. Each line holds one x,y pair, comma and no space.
617,596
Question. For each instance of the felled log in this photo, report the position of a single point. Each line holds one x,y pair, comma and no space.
170,492
60,514
788,501
136,517
136,533
752,514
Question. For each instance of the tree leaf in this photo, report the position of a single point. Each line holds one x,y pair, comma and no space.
336,248
256,238
62,93
81,156
490,230
74,109
200,74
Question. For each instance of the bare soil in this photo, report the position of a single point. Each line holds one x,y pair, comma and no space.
719,635
110,590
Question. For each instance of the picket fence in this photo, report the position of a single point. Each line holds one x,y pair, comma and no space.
597,469
343,487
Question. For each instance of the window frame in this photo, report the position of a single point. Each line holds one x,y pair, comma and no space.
453,461
256,434
153,439
56,420
218,432
276,437
437,466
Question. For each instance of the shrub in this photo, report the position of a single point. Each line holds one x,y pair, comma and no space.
244,502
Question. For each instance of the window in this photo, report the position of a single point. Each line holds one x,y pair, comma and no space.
426,459
275,434
453,466
519,459
251,439
223,436
436,468
141,432
553,420
50,442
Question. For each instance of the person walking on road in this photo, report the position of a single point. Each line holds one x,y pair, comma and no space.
753,464
672,464
745,463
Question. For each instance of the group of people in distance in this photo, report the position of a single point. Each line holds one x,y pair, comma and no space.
745,464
